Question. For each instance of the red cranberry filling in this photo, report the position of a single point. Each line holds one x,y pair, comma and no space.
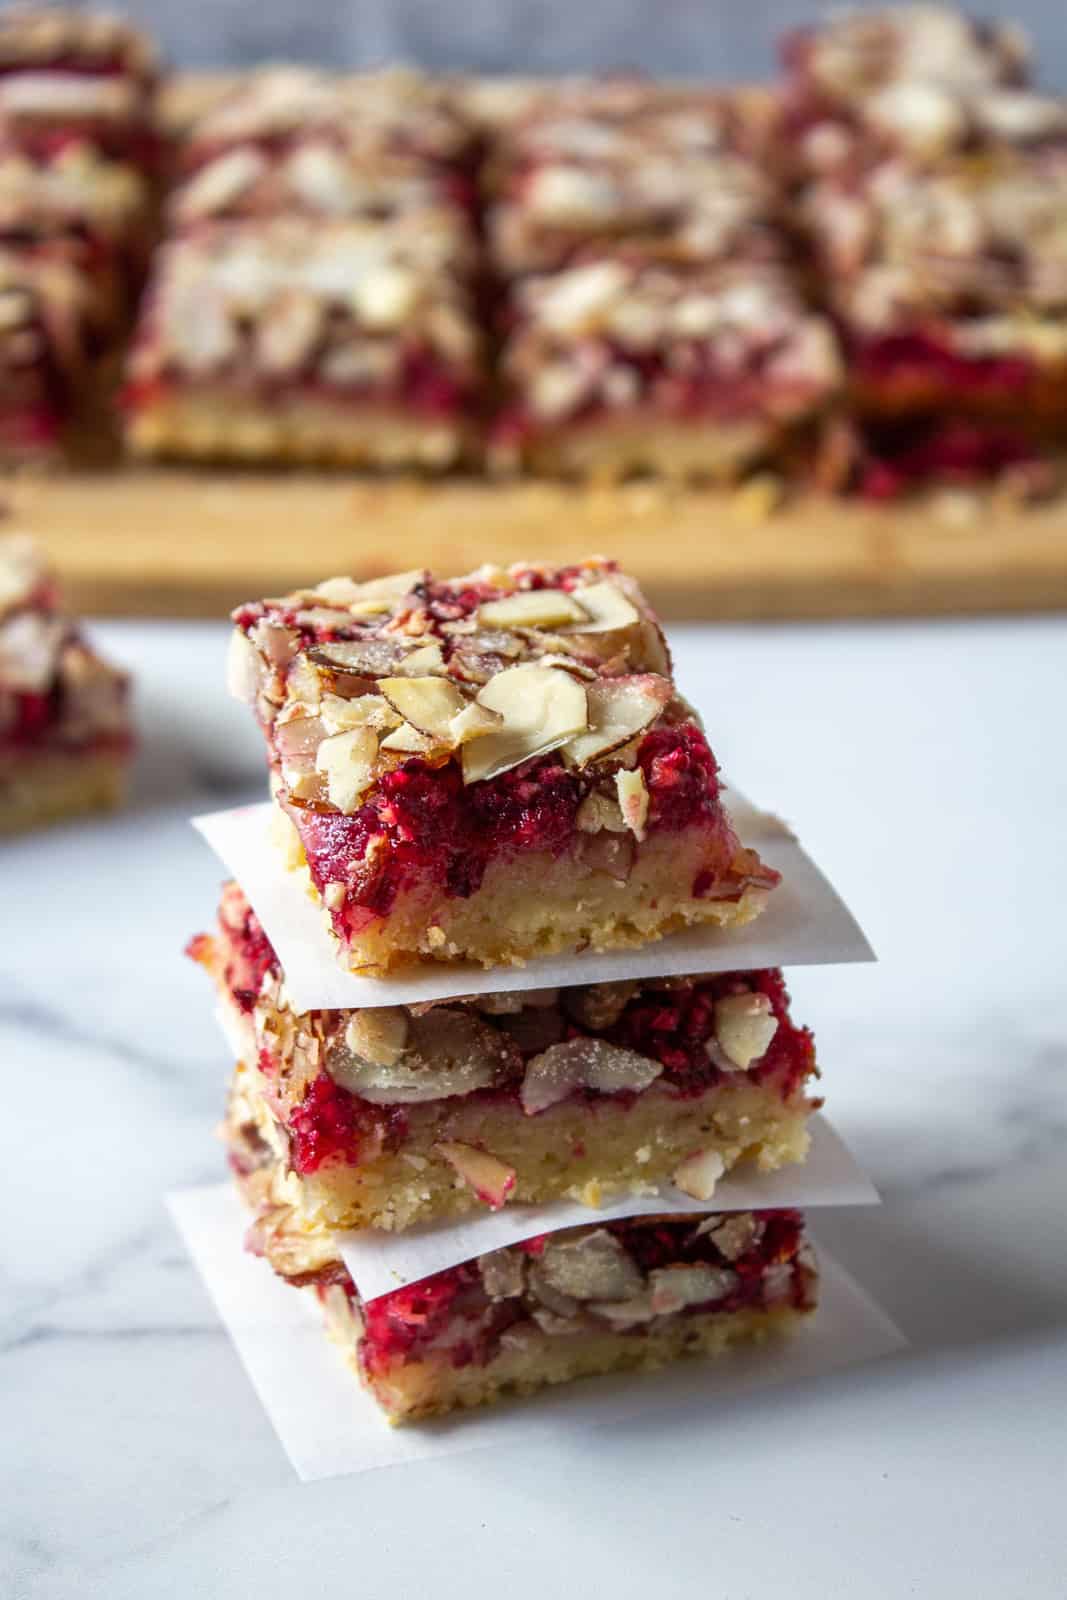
439,832
329,1124
959,451
903,358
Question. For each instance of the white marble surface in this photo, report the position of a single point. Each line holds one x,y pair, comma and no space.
926,767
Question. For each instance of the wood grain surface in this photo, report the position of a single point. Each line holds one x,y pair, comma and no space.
173,542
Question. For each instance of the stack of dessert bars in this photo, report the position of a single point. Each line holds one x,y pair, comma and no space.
488,770
79,168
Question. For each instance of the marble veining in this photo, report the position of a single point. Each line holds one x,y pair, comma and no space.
925,767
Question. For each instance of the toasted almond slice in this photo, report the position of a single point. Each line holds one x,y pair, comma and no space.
585,1063
591,1266
370,658
698,1174
569,664
408,741
680,1285
428,704
492,1180
745,1024
633,800
382,592
378,1034
541,707
363,711
474,721
303,683
244,668
619,709
346,760
426,659
608,608
533,608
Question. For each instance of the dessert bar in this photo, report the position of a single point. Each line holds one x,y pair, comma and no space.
495,766
291,141
619,1296
949,283
667,172
617,365
389,1116
65,737
300,340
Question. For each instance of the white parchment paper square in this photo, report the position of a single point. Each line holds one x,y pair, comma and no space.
805,924
380,1261
328,1426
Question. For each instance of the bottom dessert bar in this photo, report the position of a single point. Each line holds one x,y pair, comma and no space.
36,788
629,1295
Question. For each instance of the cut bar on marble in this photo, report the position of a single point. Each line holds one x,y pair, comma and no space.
65,736
624,1295
398,1115
491,767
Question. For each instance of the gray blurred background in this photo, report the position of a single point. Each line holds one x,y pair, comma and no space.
717,39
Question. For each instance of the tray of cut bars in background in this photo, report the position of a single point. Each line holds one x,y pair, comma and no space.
533,282
518,1095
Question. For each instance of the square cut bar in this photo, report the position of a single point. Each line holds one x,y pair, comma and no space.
65,737
630,1295
672,173
618,365
292,141
950,284
298,340
73,76
493,767
392,1116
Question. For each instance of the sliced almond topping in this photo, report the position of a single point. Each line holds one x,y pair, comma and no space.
243,668
364,711
633,800
745,1024
426,658
541,708
378,1035
502,1274
303,683
428,704
584,1064
492,1180
297,734
533,608
598,812
675,1287
379,593
346,760
473,721
607,606
370,658
407,740
619,709
591,1266
698,1174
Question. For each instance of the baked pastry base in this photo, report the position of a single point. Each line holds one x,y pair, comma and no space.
301,431
574,1150
612,448
36,789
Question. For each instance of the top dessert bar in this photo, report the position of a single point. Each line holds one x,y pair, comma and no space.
91,43
493,767
668,172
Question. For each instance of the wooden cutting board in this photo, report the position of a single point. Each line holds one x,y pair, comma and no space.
184,543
